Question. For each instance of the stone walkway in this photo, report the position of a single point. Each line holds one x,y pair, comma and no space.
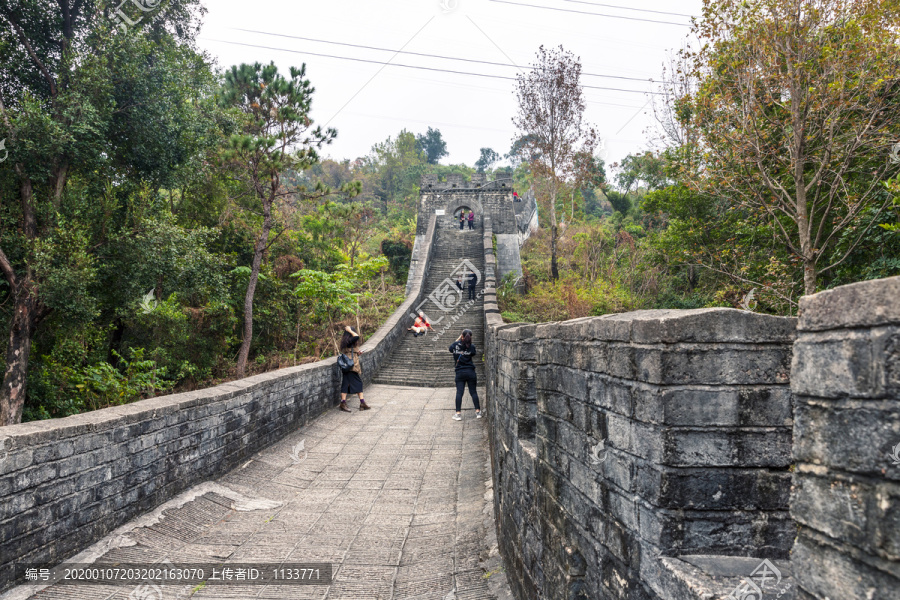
396,498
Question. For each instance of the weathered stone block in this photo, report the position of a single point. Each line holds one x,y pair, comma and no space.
713,365
758,447
824,569
860,364
864,304
856,436
715,489
613,395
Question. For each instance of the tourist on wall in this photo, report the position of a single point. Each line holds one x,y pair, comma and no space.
473,281
352,382
471,219
462,219
420,325
463,350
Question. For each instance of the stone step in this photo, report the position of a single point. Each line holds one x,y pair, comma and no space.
425,361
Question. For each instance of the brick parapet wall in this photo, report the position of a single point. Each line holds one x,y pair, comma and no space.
65,483
846,500
693,410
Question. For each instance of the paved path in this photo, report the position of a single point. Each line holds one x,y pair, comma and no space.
395,497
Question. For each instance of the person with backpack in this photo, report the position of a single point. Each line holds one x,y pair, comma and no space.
463,350
471,219
352,369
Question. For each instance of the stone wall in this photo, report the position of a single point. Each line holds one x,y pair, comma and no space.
526,216
618,440
624,438
846,501
65,483
488,199
649,455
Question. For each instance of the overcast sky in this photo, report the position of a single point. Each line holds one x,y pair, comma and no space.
367,102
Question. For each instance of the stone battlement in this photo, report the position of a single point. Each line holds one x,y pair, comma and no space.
458,183
700,454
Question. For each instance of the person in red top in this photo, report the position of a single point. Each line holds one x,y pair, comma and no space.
420,326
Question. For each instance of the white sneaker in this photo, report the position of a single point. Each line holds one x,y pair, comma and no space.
457,417
478,415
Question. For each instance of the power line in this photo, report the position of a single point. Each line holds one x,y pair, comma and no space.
582,12
378,62
469,60
645,10
443,81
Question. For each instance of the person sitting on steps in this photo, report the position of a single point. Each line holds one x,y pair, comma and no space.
420,326
352,382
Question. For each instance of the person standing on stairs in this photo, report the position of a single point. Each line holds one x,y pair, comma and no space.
462,219
463,349
473,281
352,382
472,219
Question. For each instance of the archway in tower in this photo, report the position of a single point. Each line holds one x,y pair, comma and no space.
461,209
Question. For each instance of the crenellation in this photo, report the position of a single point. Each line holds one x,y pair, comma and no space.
685,445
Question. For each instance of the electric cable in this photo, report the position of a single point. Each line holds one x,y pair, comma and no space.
583,12
378,62
469,60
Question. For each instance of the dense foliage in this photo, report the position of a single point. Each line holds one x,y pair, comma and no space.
148,201
777,174
165,226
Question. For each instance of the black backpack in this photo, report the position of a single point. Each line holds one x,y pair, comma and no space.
345,362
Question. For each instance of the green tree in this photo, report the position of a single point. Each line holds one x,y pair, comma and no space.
588,172
432,144
329,295
550,120
276,136
355,219
399,164
646,171
487,160
70,85
796,113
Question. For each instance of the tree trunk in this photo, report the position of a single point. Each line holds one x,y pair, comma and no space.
27,313
24,322
809,276
554,270
258,251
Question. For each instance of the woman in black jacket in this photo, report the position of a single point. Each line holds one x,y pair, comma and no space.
352,382
463,349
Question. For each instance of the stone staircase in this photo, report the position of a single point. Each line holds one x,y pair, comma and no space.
425,361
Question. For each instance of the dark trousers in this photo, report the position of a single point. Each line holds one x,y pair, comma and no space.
463,378
472,293
462,224
472,224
